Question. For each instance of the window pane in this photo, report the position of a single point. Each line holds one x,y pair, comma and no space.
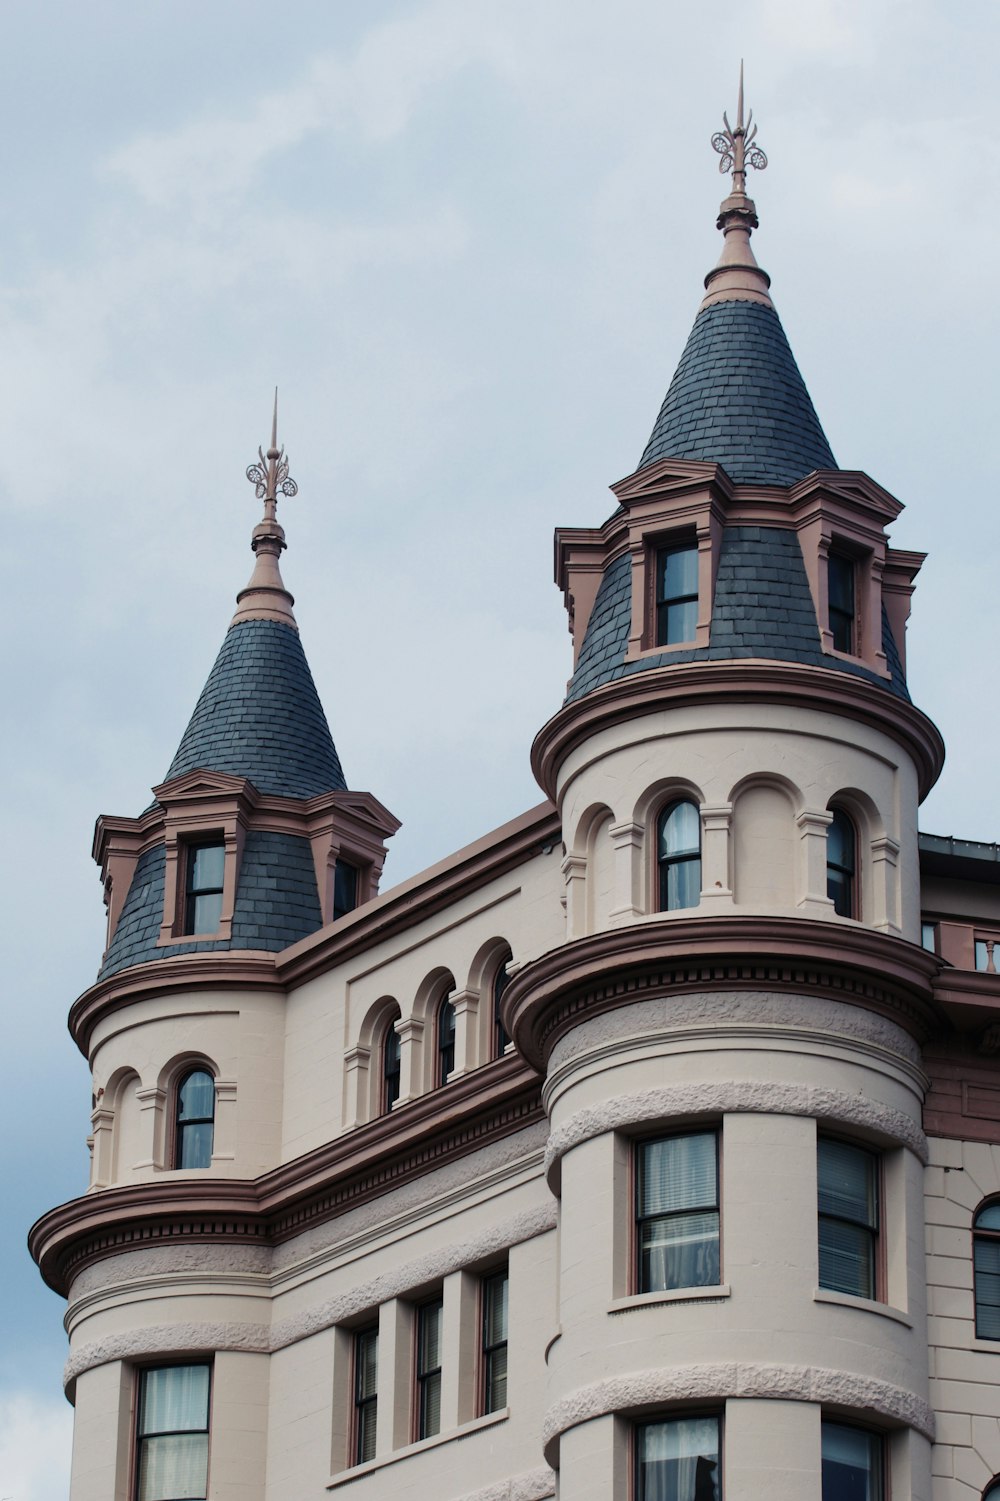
846,1258
988,1217
174,1397
345,888
195,1145
682,622
367,1430
679,1251
852,1464
366,1356
196,1097
495,1311
846,1181
840,578
928,936
680,831
840,841
430,1418
207,913
174,1468
496,1379
986,1255
679,1461
683,885
678,1173
680,573
430,1336
207,866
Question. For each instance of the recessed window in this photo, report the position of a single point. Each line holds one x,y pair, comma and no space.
365,1394
172,1436
678,847
987,955
677,1212
986,1270
390,1068
678,1460
500,1038
929,937
445,1039
345,888
848,1218
842,864
676,595
495,1341
853,1464
195,1124
429,1320
206,864
841,576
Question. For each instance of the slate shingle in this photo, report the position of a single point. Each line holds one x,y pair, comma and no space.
737,399
259,716
272,863
763,607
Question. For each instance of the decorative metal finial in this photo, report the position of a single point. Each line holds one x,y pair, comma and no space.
735,145
270,476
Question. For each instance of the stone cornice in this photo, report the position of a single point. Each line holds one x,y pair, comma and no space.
672,955
480,1107
742,681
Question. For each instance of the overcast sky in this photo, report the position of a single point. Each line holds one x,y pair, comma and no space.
466,238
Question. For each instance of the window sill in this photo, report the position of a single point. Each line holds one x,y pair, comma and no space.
714,1294
987,1346
866,1305
489,1420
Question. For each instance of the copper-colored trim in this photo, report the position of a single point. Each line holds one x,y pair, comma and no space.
386,915
678,955
477,1108
743,681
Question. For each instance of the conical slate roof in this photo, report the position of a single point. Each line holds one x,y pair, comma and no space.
737,399
259,716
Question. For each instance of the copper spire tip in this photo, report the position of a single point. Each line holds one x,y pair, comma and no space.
735,145
269,476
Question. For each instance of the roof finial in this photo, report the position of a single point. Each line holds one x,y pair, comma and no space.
738,275
265,597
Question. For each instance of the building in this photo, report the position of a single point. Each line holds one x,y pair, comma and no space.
648,1146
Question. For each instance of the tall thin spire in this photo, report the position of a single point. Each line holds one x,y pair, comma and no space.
737,275
265,596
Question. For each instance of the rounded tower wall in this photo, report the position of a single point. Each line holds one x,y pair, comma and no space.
764,778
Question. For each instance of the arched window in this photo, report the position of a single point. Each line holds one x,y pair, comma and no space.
500,1038
992,1491
986,1264
390,1067
195,1127
842,864
445,1039
678,851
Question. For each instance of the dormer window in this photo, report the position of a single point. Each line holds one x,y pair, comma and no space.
676,594
206,864
345,888
841,585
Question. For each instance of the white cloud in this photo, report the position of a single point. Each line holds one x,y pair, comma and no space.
35,1439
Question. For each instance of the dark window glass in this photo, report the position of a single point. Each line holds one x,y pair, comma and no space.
445,1039
678,844
848,1218
678,1460
676,595
852,1464
840,584
500,1038
172,1437
928,936
345,888
986,1263
429,1317
841,864
206,864
992,1493
390,1068
495,1342
195,1120
365,1393
678,1212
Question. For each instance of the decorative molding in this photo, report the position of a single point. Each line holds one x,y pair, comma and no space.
724,1010
481,1107
744,681
165,1339
530,1485
732,1096
667,955
846,1390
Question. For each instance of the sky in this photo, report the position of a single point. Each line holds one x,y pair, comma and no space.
466,239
